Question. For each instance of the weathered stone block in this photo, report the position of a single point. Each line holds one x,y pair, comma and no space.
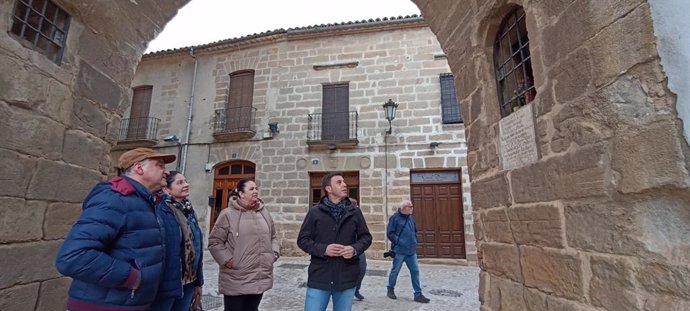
484,283
59,220
589,18
612,284
664,278
506,295
26,262
99,88
539,301
88,116
53,99
590,227
19,298
74,182
53,295
501,260
625,43
626,101
85,150
496,226
538,225
659,163
490,192
656,228
41,136
551,271
665,227
580,173
477,225
16,173
657,301
22,220
574,76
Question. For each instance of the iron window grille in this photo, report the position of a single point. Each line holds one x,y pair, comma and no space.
513,64
42,25
450,109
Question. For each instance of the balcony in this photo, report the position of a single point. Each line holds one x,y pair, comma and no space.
234,124
332,130
138,132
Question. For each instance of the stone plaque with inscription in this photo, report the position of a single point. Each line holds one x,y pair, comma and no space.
517,142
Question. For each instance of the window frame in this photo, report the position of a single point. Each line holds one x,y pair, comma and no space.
49,32
520,74
450,109
335,111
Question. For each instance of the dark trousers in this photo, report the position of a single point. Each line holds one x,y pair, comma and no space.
362,270
242,302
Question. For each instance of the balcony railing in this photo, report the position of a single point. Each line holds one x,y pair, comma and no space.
139,129
332,127
239,120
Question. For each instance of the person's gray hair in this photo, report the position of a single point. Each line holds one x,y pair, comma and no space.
405,202
128,171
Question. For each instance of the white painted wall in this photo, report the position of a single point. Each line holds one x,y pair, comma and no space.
672,29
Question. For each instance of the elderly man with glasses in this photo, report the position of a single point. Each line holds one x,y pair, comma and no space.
402,232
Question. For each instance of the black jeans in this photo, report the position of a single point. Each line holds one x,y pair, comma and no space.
242,302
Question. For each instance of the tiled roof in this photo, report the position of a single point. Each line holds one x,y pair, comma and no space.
298,30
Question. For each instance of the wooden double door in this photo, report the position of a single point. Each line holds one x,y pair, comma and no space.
438,211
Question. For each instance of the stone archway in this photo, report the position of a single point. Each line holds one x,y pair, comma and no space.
600,220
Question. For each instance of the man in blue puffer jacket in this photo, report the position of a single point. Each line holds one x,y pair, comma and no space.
114,252
402,232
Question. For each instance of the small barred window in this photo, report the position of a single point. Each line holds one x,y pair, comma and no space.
513,64
41,25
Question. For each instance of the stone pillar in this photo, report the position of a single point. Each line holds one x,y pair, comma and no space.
601,219
57,125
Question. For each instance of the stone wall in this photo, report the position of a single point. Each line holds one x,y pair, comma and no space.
601,220
400,62
57,125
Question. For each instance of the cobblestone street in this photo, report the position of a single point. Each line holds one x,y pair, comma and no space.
448,287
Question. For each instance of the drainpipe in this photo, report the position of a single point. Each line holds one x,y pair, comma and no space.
190,105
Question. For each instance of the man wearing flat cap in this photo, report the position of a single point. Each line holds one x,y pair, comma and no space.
114,252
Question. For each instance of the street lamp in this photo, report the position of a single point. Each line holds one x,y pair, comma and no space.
174,139
389,108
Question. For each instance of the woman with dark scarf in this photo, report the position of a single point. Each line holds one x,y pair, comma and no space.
244,244
180,287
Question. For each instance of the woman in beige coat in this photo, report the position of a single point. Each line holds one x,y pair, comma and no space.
243,242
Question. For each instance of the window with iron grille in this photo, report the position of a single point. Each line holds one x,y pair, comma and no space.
450,110
513,64
41,25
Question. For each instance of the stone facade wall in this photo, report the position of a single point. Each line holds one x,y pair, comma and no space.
402,64
601,220
57,125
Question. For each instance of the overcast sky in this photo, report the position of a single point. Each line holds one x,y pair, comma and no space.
206,21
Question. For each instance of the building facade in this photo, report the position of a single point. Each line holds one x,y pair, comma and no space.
286,107
598,222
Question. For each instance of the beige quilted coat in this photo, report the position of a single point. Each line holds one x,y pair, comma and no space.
248,237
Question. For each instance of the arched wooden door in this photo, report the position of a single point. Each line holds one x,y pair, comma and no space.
225,179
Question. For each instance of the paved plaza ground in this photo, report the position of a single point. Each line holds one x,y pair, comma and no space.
449,287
